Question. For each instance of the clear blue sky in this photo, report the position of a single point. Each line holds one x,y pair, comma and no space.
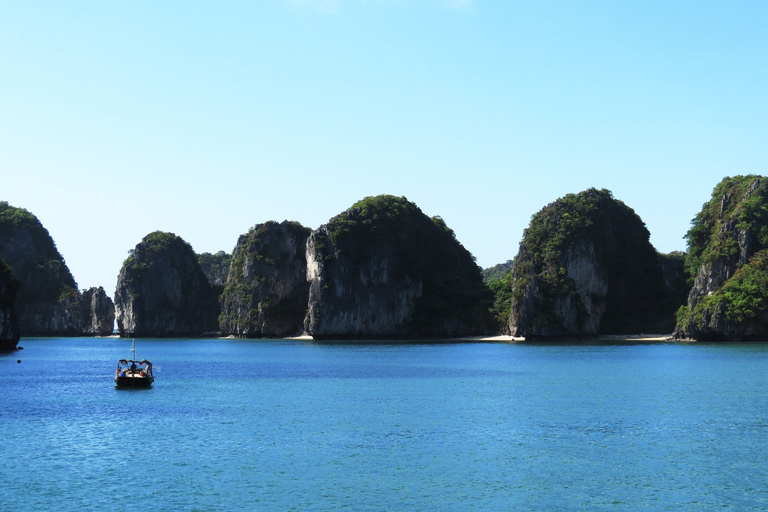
204,118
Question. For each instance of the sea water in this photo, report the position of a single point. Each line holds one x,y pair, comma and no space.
294,425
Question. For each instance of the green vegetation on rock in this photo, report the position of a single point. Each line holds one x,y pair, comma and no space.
8,280
499,280
742,299
727,245
745,296
502,302
497,272
9,320
739,204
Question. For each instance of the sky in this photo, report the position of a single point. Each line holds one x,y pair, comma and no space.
203,119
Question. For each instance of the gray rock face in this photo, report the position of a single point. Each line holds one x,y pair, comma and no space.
97,312
162,291
9,320
712,275
715,326
267,291
580,312
361,299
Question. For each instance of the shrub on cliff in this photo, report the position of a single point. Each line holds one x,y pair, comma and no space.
384,268
586,266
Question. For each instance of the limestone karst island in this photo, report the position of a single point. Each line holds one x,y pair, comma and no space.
384,270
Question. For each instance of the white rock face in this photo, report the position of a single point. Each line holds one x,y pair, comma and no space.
591,285
124,312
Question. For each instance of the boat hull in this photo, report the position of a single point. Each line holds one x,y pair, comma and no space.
133,382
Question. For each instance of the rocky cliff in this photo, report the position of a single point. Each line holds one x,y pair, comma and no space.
9,320
727,246
48,301
163,292
586,267
383,269
267,290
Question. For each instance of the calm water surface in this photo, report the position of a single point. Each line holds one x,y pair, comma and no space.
288,425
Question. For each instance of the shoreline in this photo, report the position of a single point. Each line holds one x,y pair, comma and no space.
603,339
641,338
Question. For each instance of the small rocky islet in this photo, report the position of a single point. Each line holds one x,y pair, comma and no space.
383,269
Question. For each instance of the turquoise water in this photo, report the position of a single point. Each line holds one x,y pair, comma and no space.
289,425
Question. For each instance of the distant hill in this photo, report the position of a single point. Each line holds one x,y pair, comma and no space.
215,266
499,279
497,272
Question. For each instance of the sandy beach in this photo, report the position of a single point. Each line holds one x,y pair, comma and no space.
609,338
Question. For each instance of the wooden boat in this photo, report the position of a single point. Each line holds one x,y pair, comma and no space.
132,373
